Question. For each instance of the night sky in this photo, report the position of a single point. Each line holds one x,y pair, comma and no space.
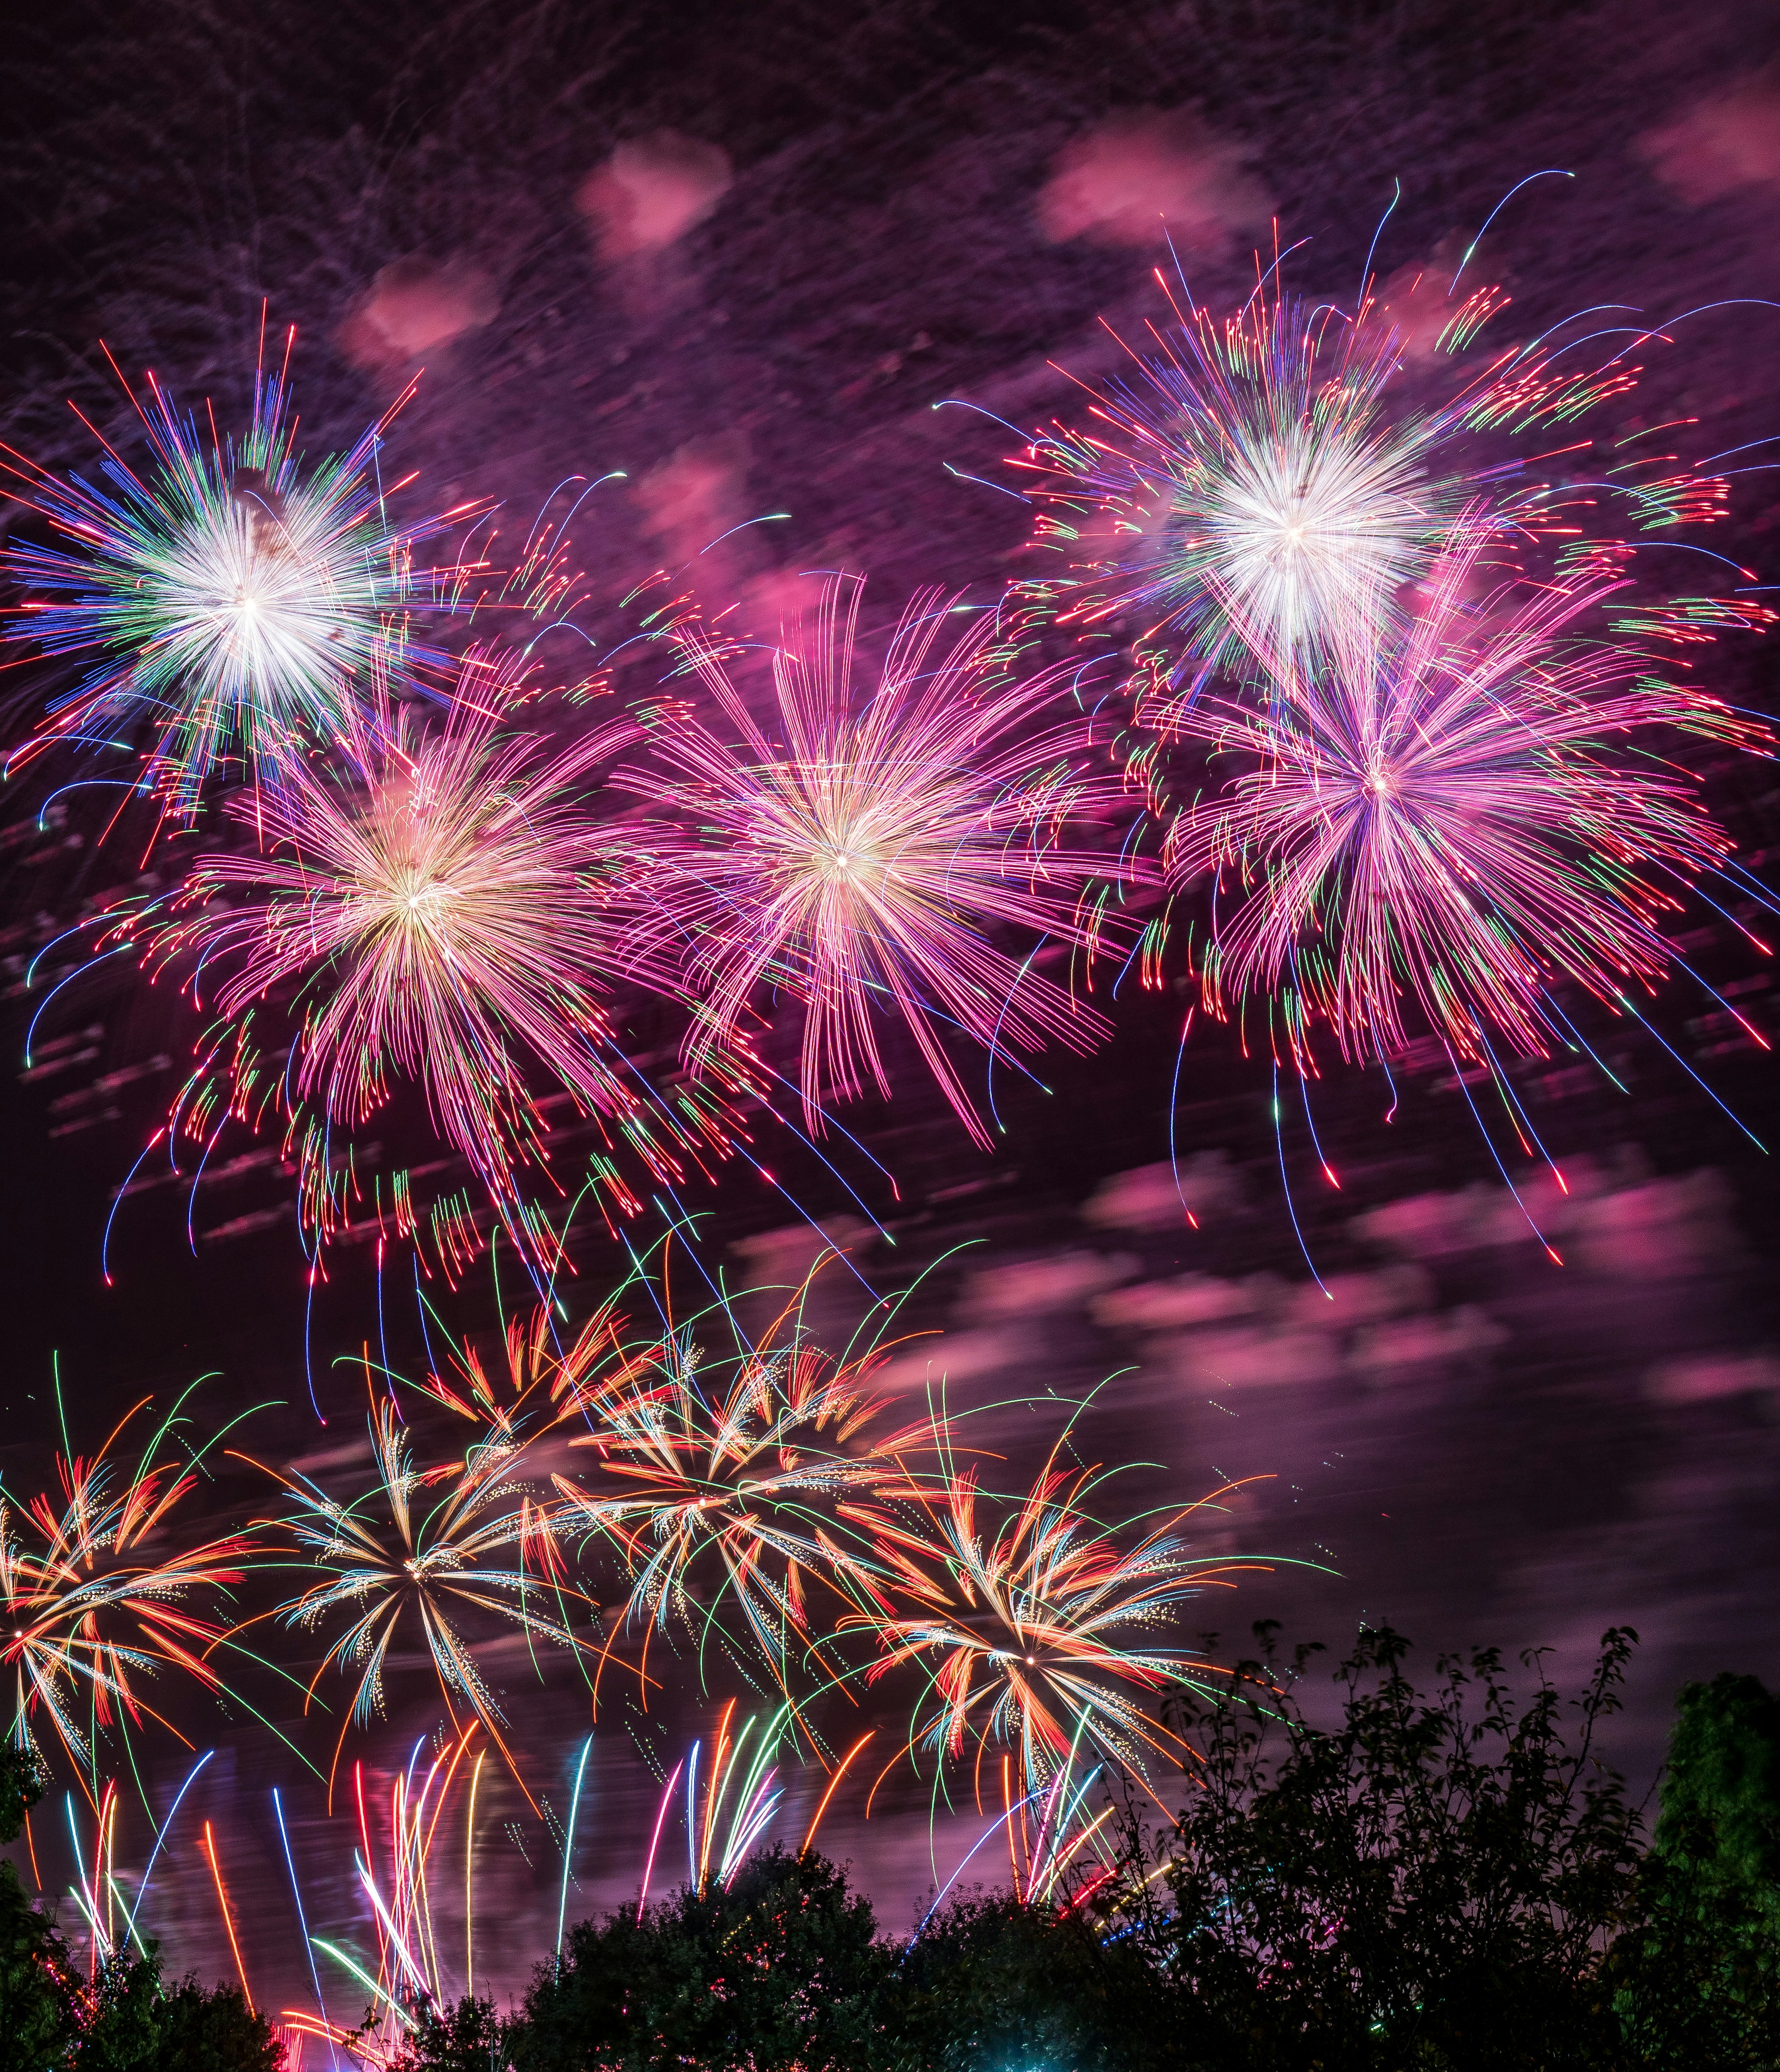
740,256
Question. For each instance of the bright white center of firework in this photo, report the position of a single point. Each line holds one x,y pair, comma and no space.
243,613
1302,530
421,897
845,857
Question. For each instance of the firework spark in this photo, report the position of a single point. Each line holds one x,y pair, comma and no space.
481,1548
547,1383
226,602
448,923
856,860
90,1615
737,1454
1259,481
1024,1621
1462,818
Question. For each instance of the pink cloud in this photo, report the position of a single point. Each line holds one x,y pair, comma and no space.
1125,180
1709,1380
771,601
1032,1286
1193,1299
1724,140
1251,1358
958,1356
652,191
695,494
1147,1198
1417,303
1361,1298
417,305
786,1253
1431,1226
1665,1230
1383,1350
1617,1225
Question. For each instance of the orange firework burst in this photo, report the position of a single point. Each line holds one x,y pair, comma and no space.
1032,1623
429,1555
738,1453
89,1615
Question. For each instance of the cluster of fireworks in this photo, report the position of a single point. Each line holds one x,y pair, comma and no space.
431,888
1353,689
1427,730
760,1515
1352,709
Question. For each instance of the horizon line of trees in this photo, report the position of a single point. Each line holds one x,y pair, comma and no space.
1447,1880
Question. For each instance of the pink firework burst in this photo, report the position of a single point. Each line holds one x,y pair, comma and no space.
1463,816
857,855
449,917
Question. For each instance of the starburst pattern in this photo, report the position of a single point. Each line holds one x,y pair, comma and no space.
1033,1626
1462,818
722,1458
92,1613
859,857
449,921
230,605
1259,482
430,1555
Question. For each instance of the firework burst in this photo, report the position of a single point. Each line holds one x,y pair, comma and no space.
857,859
449,923
735,1456
1463,817
424,1555
91,1616
546,1382
1259,482
226,603
1031,1624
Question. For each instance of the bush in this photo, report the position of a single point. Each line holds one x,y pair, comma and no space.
778,1970
991,1982
1433,1883
1698,1977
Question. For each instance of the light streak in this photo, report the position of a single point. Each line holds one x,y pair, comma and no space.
568,1845
209,1849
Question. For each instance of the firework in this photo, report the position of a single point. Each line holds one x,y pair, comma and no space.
547,1383
422,1556
735,1455
1031,1624
1463,817
721,1832
857,859
226,603
1262,481
91,1614
1060,1850
449,921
